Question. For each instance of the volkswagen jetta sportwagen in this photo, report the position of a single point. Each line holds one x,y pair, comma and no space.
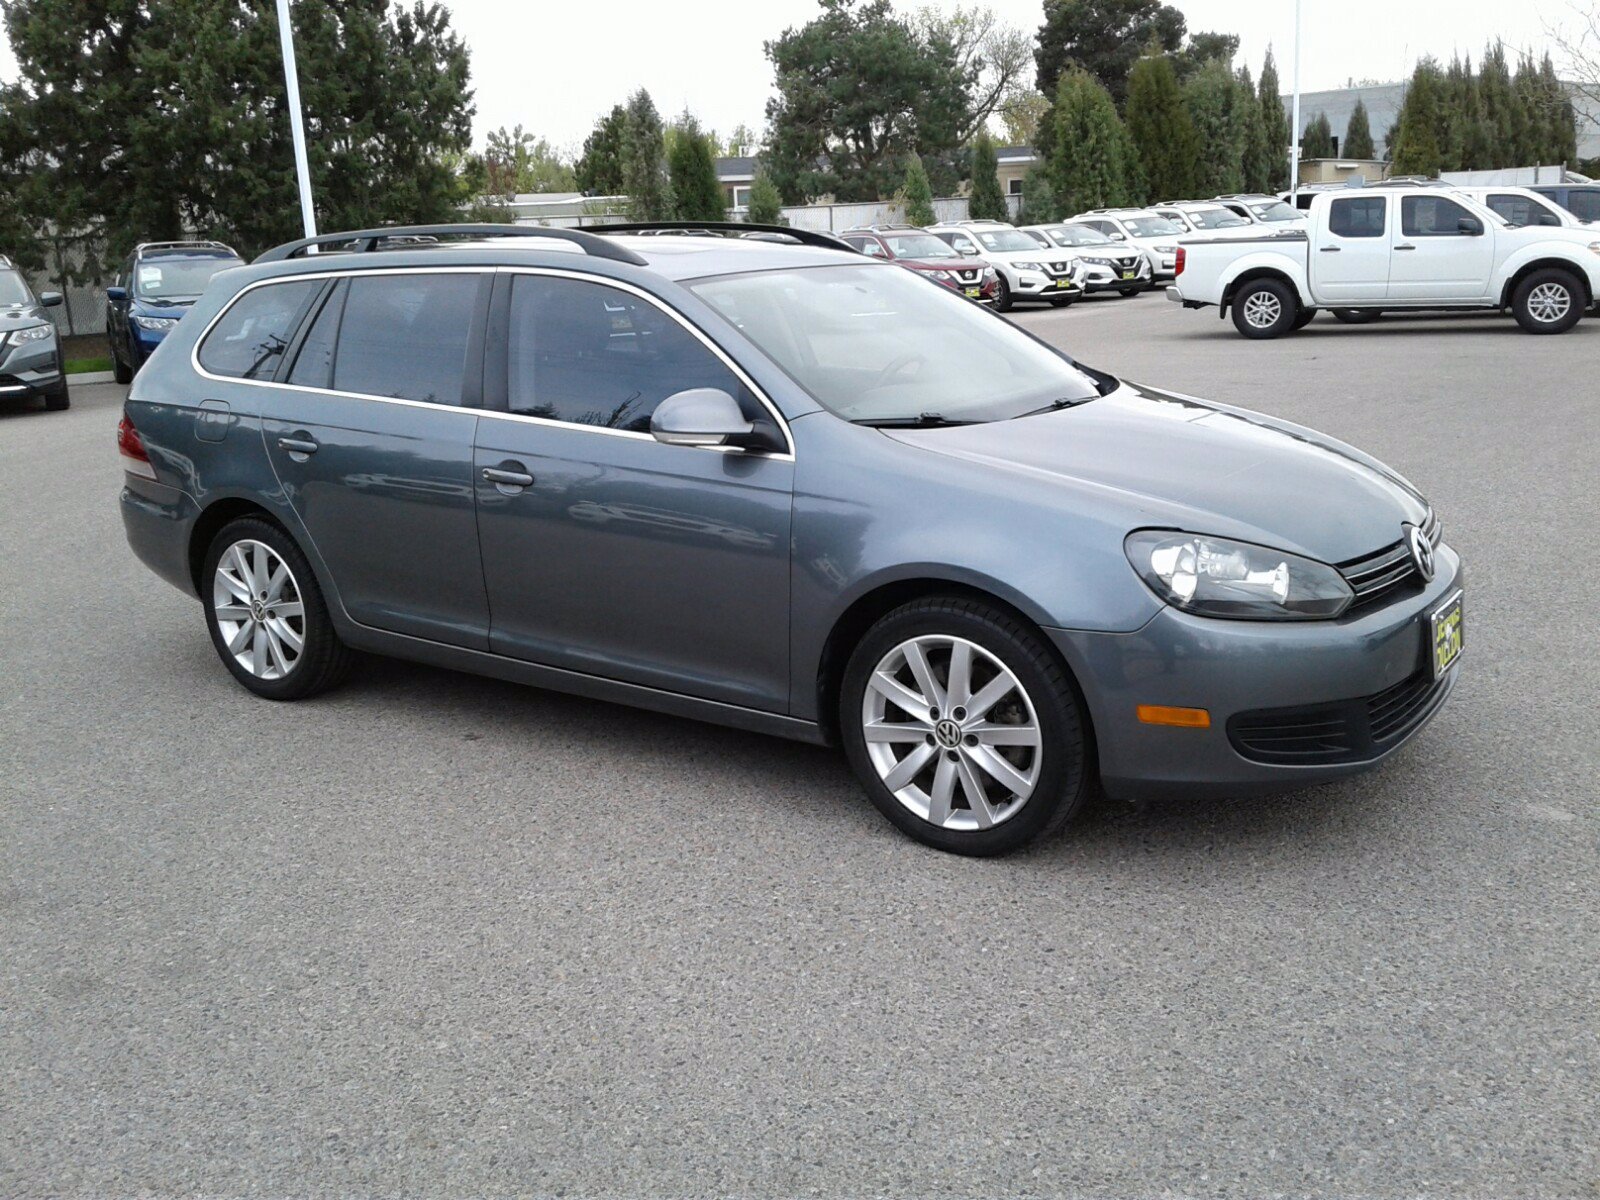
779,485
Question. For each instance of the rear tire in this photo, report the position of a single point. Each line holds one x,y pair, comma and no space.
1355,316
260,597
1548,301
1002,296
1009,725
1264,308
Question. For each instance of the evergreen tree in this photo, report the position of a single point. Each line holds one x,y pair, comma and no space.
599,169
1275,121
1415,139
916,194
1561,124
1039,203
1105,38
1255,163
644,162
1466,146
692,164
1528,145
1087,167
766,205
1501,122
1358,134
988,202
1161,130
1210,96
1317,141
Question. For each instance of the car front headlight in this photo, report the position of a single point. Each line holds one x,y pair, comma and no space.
157,324
1594,247
35,333
1218,577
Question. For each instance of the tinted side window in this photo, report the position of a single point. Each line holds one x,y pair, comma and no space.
1357,217
406,336
313,366
593,355
1430,216
1519,210
253,334
1584,205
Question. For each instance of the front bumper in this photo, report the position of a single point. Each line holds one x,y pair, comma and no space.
1109,278
1041,284
1240,669
31,369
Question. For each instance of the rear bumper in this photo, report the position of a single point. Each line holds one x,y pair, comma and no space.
1234,668
158,521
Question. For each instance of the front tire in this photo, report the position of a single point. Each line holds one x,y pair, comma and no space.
1264,308
267,617
60,400
1548,301
963,727
1355,316
1129,293
1060,301
1003,301
120,371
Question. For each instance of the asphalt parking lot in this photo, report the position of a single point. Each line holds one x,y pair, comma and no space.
438,934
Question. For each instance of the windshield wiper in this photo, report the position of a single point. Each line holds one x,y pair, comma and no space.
1062,402
927,420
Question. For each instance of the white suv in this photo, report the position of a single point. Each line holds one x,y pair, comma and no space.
1111,266
1201,217
1142,229
1026,271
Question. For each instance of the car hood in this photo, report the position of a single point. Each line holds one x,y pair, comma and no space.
1036,257
943,264
22,317
1177,462
162,308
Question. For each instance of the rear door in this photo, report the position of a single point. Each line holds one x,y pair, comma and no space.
606,551
1434,261
1349,258
370,432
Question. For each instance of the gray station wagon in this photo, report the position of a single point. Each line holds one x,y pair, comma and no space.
772,483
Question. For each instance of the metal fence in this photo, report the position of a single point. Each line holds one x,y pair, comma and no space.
71,268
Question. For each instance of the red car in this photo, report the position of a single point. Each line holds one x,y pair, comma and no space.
918,250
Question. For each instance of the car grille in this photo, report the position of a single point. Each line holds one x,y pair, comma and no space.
1390,572
1340,732
1060,268
968,276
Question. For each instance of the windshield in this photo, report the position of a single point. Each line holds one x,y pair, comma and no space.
13,291
872,344
1151,226
1077,235
177,278
1005,240
1214,218
1273,211
918,245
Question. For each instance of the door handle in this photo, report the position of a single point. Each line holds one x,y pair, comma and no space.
1407,246
1330,249
502,477
296,445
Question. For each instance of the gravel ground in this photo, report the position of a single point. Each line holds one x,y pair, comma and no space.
440,935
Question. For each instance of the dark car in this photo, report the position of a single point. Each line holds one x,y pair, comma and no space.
920,251
154,287
31,366
1582,200
789,489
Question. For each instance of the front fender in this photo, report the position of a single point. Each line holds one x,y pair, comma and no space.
1579,258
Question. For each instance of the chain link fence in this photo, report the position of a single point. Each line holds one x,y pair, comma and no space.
69,264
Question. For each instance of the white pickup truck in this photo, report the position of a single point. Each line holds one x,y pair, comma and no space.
1366,251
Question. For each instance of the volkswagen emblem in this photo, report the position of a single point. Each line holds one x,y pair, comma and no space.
1421,552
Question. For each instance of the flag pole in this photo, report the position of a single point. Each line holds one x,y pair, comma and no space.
291,79
1294,153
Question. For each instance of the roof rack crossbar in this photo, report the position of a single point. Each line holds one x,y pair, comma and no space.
208,243
365,240
806,237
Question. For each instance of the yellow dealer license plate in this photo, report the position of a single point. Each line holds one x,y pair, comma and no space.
1127,274
974,293
1063,283
1447,634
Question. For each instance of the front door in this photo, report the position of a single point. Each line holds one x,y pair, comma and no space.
373,445
608,552
1435,261
1350,259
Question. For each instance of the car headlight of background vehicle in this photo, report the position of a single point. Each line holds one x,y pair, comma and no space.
34,333
1166,249
157,324
1218,577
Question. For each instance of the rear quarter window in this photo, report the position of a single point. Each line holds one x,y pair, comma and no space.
249,339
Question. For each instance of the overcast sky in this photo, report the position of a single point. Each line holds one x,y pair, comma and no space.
554,67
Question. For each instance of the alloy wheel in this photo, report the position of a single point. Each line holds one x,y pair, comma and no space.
1549,303
951,732
1262,310
259,609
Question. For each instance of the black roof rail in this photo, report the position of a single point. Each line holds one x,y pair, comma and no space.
362,241
806,237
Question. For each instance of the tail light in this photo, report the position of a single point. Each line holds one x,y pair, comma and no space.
1182,254
135,460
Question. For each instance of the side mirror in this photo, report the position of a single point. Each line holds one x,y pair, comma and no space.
1546,218
700,417
1470,226
1116,237
116,294
50,299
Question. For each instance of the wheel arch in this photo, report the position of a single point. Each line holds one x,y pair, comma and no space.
1261,271
1565,265
210,522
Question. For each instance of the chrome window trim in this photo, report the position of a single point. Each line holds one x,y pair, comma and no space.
496,269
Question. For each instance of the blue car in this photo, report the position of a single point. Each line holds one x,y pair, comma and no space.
155,286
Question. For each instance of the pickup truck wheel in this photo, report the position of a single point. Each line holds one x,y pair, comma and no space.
1355,316
1264,308
1548,301
1304,319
